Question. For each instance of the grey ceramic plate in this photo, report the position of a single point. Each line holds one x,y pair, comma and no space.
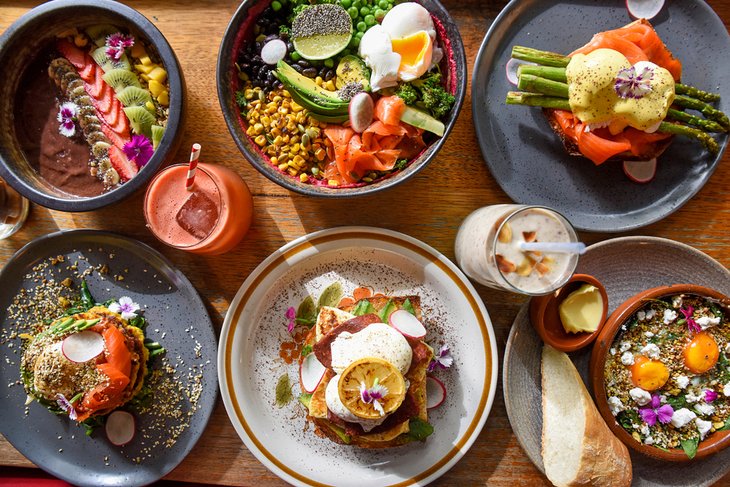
625,266
177,319
526,157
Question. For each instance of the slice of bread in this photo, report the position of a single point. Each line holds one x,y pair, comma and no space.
578,448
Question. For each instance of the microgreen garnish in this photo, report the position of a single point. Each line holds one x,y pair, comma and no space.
139,150
656,411
67,117
691,323
125,307
373,395
631,83
116,44
442,359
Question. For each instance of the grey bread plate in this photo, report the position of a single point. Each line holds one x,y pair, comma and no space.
625,266
177,319
528,160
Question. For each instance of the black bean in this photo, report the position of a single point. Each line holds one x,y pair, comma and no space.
303,63
270,76
289,46
257,59
310,72
297,67
329,75
322,72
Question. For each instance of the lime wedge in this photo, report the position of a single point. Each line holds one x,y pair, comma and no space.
321,46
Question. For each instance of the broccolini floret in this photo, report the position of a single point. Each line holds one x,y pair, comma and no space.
427,92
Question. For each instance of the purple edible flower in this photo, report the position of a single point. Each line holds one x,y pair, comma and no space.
442,359
691,323
656,411
115,45
373,395
66,405
633,84
125,307
710,395
139,150
67,116
291,315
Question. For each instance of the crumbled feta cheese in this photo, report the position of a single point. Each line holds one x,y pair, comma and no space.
681,417
648,334
648,440
706,322
641,315
639,395
691,398
650,314
677,301
625,346
705,409
627,358
726,390
669,316
615,405
612,351
651,351
703,427
645,430
682,381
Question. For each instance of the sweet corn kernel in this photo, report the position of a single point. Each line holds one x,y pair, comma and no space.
260,140
266,120
332,182
330,85
296,107
283,166
320,154
292,171
295,147
259,128
276,99
303,177
275,161
299,161
277,140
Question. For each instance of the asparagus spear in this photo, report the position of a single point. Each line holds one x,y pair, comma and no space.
707,110
704,124
693,92
545,86
677,129
549,72
546,58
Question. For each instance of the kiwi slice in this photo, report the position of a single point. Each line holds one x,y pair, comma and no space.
134,96
119,79
99,55
157,133
140,119
99,33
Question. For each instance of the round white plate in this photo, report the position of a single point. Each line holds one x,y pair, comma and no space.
249,366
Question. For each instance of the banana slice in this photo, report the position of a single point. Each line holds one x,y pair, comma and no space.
377,375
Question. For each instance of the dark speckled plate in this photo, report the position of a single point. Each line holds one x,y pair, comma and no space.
528,160
177,319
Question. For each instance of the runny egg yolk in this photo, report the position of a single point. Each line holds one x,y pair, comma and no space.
701,354
648,374
415,54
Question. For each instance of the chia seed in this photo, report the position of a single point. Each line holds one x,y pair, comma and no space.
349,90
320,20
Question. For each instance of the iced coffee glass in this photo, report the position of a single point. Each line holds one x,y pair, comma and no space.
488,248
13,210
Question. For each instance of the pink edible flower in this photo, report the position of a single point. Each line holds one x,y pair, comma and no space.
66,405
442,359
691,323
710,395
139,150
67,116
656,411
633,84
291,315
116,44
373,395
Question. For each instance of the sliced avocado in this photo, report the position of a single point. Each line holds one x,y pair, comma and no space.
304,85
329,118
340,432
315,107
352,69
422,120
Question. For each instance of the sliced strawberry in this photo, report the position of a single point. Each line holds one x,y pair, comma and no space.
105,101
98,81
75,55
113,115
88,72
126,168
115,138
122,126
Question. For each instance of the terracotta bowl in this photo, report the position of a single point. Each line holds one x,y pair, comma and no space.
22,40
240,32
713,443
545,316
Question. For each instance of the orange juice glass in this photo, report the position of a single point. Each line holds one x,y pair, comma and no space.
211,219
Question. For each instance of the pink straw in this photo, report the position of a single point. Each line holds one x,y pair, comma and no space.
194,154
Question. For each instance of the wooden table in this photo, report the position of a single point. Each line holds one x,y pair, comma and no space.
194,28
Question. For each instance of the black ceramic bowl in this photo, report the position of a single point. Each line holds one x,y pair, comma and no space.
35,30
240,32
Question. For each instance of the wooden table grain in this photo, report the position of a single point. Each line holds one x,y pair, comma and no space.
453,185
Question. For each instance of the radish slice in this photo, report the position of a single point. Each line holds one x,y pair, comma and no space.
311,372
83,346
511,69
435,392
362,109
644,9
406,323
273,51
640,171
120,427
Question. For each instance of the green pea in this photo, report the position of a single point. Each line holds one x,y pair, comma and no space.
354,13
355,42
362,26
345,4
364,11
295,56
359,34
370,20
379,14
357,4
276,6
383,4
329,62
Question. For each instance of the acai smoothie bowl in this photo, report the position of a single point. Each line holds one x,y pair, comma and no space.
340,98
91,103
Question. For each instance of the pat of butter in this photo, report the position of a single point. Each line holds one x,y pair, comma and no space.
582,310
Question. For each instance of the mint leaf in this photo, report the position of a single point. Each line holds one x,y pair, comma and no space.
419,429
283,391
363,307
307,311
386,311
331,295
408,306
690,446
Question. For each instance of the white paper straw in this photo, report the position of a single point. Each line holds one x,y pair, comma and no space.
555,247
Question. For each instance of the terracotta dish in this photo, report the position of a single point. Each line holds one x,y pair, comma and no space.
712,443
545,315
